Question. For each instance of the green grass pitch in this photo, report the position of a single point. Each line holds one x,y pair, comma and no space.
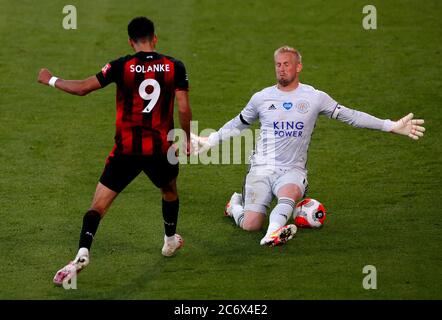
382,191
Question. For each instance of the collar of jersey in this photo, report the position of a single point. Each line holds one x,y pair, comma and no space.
287,92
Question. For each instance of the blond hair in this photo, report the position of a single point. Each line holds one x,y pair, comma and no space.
284,49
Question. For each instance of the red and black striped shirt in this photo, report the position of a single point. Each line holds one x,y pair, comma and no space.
146,84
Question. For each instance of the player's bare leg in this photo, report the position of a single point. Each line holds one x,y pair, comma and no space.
101,202
247,220
103,199
253,221
172,241
278,232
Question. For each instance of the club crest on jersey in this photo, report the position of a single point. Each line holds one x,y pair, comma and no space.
105,69
302,106
287,105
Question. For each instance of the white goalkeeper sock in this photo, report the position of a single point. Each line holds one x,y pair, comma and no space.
280,214
238,214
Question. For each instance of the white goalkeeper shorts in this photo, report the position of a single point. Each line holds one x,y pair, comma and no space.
263,183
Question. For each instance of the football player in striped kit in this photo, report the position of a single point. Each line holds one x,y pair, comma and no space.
147,84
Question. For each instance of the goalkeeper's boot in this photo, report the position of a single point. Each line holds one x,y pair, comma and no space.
280,236
72,268
170,247
235,199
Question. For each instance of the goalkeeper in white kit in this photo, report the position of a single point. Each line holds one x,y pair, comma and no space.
287,113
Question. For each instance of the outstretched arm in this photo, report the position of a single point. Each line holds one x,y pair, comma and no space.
406,126
230,129
76,87
410,127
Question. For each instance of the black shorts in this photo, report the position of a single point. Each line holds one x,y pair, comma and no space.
120,170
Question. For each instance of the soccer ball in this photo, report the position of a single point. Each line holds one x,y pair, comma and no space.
309,213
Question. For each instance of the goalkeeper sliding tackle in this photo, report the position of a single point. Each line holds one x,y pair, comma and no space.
287,113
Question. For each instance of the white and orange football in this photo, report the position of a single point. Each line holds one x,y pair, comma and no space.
309,213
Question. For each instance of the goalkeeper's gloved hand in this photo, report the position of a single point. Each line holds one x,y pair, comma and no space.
202,144
410,127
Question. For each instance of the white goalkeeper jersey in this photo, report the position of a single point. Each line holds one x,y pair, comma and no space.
287,121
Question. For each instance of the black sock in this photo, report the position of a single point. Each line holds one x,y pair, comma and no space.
91,220
170,216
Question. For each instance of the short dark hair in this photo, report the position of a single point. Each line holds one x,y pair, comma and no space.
141,28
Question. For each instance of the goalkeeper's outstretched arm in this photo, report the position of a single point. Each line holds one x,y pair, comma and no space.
405,126
410,127
230,129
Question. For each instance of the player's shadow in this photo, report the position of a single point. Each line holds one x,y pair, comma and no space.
138,284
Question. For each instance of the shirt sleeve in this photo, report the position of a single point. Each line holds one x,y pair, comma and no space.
327,105
234,127
250,112
330,108
181,78
110,72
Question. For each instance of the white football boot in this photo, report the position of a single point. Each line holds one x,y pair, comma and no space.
235,199
170,247
72,268
280,236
